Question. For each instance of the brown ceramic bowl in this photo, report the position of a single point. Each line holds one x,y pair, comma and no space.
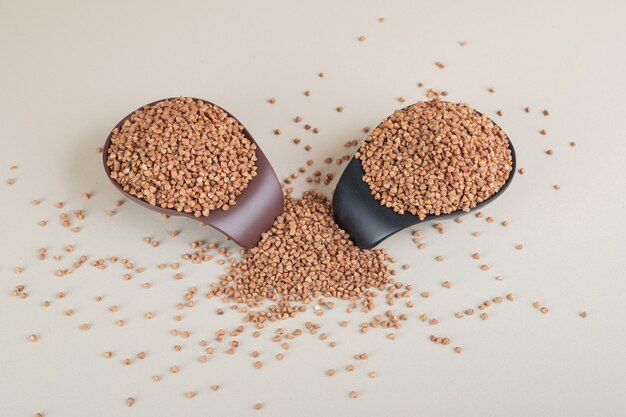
256,207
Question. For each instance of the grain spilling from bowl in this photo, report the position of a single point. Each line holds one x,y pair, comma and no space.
304,255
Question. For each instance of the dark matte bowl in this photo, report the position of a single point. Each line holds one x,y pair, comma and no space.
368,222
256,207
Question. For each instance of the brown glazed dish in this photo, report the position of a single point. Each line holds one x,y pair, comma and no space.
256,207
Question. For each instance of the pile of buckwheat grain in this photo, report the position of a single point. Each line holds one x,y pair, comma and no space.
182,154
304,255
435,157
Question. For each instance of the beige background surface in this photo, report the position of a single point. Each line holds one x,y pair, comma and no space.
70,70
